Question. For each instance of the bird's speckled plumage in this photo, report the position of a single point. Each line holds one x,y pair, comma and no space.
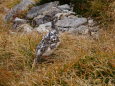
48,44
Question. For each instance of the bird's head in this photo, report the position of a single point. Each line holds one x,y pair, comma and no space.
54,20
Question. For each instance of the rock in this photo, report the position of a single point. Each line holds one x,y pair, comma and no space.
26,28
62,15
63,29
21,7
46,17
38,10
94,32
71,23
52,11
44,27
81,30
72,17
18,22
92,23
41,19
64,7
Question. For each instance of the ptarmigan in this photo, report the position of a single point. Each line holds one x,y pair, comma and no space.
48,44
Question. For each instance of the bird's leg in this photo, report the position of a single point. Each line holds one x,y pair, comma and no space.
38,60
34,63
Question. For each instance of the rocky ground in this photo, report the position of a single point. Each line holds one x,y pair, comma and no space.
39,19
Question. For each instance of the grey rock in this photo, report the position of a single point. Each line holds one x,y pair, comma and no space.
63,29
17,22
64,7
94,32
22,6
46,17
90,22
41,19
52,11
71,23
62,15
26,28
72,16
81,30
43,27
38,10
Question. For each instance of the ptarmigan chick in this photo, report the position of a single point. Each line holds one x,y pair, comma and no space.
48,44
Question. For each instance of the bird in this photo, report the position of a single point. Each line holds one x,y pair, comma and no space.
48,43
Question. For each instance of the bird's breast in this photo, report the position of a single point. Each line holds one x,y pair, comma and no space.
48,52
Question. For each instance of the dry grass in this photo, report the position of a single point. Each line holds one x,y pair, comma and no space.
6,5
78,61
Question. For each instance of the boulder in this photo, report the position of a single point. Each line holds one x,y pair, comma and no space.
71,23
38,10
63,29
81,30
46,16
92,23
52,11
44,27
41,19
26,28
72,16
18,21
18,9
94,32
62,15
64,7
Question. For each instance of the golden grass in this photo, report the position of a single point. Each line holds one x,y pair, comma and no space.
76,61
9,3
